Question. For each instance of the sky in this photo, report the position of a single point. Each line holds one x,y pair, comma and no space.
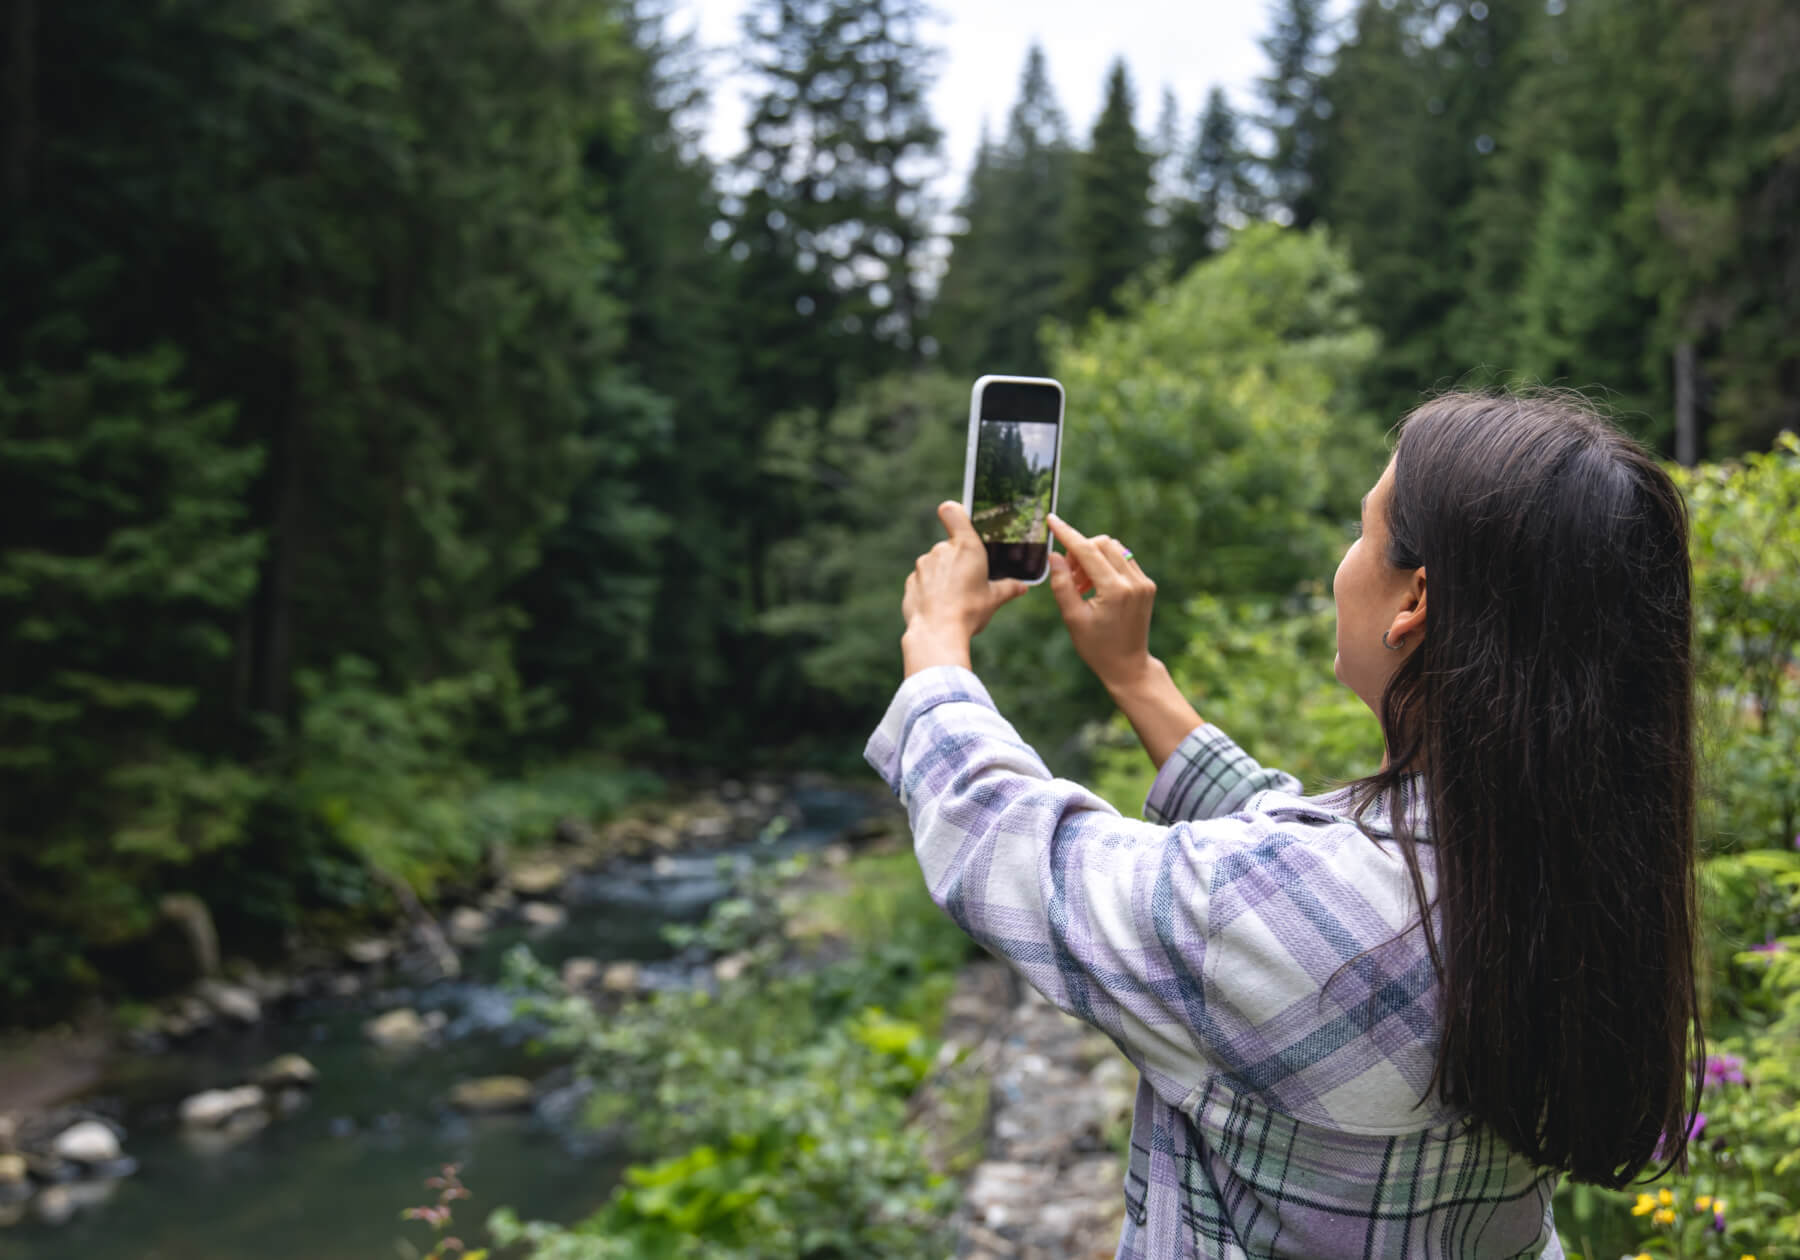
1187,47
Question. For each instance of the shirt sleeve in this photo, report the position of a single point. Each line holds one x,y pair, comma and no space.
1209,776
1103,915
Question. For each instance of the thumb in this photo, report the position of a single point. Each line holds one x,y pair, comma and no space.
957,523
1062,585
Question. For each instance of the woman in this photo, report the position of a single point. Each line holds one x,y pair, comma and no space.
1325,1070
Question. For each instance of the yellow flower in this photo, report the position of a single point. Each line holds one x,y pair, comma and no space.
1719,1206
1665,1198
1663,1216
1645,1205
1703,1202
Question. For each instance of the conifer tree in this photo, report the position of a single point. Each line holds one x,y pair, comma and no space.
1216,186
1006,265
1296,107
1109,235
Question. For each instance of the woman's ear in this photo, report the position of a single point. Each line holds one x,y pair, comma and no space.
1409,622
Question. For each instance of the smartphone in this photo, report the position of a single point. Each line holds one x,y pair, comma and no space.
1012,469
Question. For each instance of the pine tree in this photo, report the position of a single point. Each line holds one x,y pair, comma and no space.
1109,212
1216,186
1296,107
1006,265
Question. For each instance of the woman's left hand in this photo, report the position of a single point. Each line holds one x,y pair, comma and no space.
949,598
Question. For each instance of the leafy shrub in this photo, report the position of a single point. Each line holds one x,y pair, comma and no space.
784,1098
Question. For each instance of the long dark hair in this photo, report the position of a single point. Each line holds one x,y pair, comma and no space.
1549,710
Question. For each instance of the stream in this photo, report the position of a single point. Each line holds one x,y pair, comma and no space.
330,1180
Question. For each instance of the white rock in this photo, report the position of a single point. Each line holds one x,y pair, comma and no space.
217,1107
579,973
621,977
541,916
286,1071
233,1001
89,1142
664,865
467,925
534,879
54,1206
712,827
369,952
766,794
12,1170
397,1030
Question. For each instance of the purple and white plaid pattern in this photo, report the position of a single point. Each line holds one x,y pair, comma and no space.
1247,951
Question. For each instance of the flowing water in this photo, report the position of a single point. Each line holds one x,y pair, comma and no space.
329,1181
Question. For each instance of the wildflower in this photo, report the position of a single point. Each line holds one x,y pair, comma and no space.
1695,1126
1703,1202
1718,1223
1645,1205
1723,1069
1769,946
1663,1216
1664,1197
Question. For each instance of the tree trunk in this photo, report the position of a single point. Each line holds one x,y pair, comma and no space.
1687,432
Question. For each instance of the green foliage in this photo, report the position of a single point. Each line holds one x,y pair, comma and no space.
1215,428
1259,671
125,564
1746,547
784,1097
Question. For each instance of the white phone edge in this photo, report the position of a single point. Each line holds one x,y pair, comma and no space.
968,497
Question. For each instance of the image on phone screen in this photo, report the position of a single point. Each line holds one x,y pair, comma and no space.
1014,475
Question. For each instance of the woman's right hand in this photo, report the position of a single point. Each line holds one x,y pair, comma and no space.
1111,631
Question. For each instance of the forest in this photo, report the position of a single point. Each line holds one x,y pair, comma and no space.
397,405
411,439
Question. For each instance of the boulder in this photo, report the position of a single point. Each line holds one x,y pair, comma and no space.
216,1108
235,1002
491,1094
622,977
535,879
467,925
212,1142
541,916
579,973
397,1030
12,1172
370,951
288,1071
574,832
89,1142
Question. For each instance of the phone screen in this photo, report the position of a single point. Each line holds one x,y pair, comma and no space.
1015,476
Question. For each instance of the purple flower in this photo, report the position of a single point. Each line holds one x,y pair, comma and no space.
1770,946
1723,1069
1696,1125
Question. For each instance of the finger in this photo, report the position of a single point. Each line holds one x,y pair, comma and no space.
1121,556
957,524
1092,556
1007,589
1066,590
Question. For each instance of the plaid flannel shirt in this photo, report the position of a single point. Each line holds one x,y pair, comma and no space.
1277,1114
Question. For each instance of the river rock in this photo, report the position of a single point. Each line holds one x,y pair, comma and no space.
12,1172
541,916
574,832
835,854
89,1142
491,1094
622,977
9,1134
54,1206
288,1071
711,829
536,879
49,1168
216,1108
397,1030
730,967
234,1132
467,925
579,973
188,1016
233,1001
370,951
766,794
